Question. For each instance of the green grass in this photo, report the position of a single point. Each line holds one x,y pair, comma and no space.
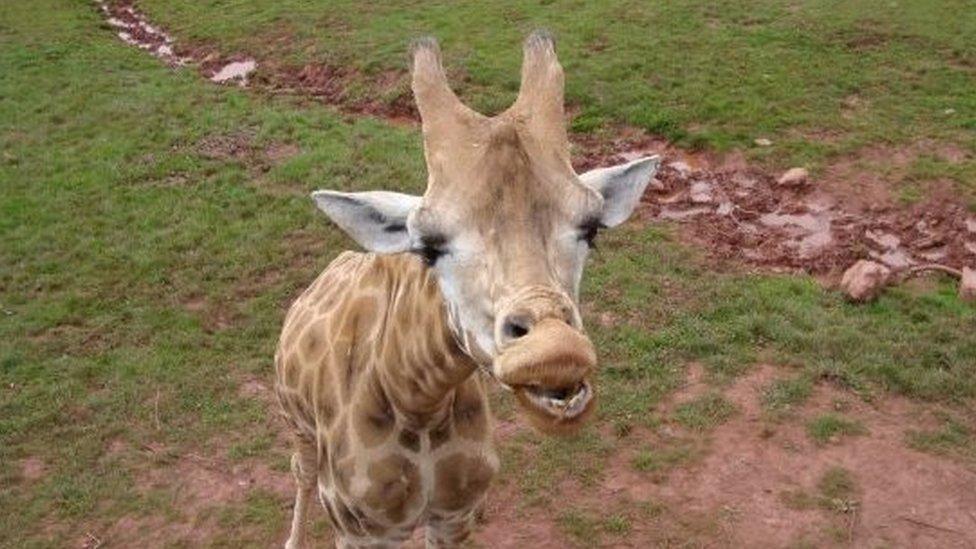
954,438
827,427
783,395
836,491
705,412
144,275
818,77
660,459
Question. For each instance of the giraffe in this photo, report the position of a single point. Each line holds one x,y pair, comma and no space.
376,364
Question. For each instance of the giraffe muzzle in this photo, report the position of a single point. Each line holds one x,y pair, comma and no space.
549,370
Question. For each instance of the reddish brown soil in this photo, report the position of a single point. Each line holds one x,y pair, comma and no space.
901,490
734,494
32,468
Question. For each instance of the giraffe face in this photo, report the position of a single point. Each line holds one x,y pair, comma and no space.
506,225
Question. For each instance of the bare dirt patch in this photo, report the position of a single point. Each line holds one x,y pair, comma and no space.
907,498
757,481
32,468
235,146
506,523
199,487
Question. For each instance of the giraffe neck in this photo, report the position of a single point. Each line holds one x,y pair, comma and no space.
423,358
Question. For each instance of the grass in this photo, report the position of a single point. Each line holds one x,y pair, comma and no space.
586,528
145,272
836,491
954,438
660,460
783,395
829,427
705,412
821,79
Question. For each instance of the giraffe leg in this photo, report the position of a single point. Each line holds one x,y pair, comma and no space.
451,531
303,463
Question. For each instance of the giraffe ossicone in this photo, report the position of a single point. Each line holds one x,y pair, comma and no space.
377,360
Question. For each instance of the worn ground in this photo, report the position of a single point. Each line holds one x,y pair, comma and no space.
156,225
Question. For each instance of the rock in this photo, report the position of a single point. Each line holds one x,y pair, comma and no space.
763,142
655,184
886,241
971,247
681,167
935,254
744,181
677,215
701,192
897,259
236,70
971,225
794,177
864,280
725,208
967,286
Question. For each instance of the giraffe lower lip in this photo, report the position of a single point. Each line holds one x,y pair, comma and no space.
565,403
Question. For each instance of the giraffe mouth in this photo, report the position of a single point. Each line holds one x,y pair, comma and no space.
562,403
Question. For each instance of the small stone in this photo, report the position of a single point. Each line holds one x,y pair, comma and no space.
971,247
934,255
236,70
681,167
897,259
794,177
886,241
971,225
678,215
967,286
725,208
864,280
744,181
763,142
701,192
655,184
949,111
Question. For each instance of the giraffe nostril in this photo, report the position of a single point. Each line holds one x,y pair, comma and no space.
516,326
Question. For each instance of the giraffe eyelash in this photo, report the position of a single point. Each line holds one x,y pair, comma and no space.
431,249
588,231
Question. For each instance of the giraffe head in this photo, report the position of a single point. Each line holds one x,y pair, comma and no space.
506,225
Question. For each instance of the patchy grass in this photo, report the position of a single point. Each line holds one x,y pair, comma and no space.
618,525
837,484
784,395
820,79
705,412
836,491
954,438
580,525
828,427
659,460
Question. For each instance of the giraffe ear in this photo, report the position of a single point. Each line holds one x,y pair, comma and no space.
377,220
621,187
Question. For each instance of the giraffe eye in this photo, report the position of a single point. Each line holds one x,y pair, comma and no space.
588,231
431,249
